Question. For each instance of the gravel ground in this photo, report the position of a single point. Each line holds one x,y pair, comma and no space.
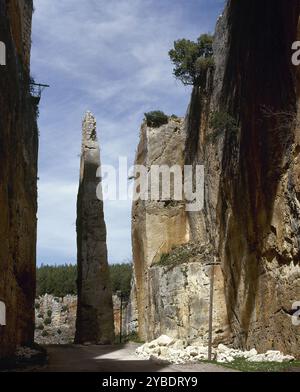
77,358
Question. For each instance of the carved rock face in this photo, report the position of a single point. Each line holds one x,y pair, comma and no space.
251,215
95,309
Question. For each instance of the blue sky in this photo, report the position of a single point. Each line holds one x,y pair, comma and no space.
110,57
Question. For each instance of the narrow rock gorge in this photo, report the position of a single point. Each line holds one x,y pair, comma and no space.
18,178
94,322
231,270
249,226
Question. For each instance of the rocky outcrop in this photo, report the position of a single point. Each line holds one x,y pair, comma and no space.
251,205
251,213
130,325
55,319
157,225
95,309
180,301
258,197
18,178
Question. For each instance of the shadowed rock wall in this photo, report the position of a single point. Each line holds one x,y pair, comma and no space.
95,322
18,179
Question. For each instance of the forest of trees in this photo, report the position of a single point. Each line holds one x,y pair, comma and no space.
61,280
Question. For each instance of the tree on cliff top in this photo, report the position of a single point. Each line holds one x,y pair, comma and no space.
192,59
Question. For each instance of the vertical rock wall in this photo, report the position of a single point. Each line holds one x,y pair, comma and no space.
95,308
259,205
159,225
130,325
18,179
251,214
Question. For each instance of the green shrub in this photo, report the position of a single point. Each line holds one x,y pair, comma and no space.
47,321
64,308
243,365
221,122
156,119
183,254
192,59
59,332
49,313
45,333
40,315
36,305
164,259
40,327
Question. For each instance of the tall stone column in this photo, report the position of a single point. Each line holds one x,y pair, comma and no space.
95,309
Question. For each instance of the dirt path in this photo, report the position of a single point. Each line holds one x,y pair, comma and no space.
75,358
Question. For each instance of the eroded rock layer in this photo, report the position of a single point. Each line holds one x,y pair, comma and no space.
18,178
95,322
258,197
157,225
251,215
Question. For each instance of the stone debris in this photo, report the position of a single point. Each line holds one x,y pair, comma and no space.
178,352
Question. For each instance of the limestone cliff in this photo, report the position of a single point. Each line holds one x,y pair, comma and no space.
94,322
258,213
251,216
251,213
157,225
130,324
55,319
18,178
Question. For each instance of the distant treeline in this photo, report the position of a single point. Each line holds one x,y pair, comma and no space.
60,280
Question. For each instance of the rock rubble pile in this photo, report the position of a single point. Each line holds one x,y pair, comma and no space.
177,351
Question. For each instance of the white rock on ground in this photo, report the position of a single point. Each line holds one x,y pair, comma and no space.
176,351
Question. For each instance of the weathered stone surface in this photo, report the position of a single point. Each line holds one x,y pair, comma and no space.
174,299
156,225
131,313
259,212
18,179
95,309
179,305
251,213
55,319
